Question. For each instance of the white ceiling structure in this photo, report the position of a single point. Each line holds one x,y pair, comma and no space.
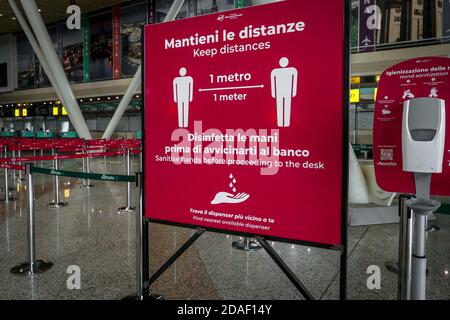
51,11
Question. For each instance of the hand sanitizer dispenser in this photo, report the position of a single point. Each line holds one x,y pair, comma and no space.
423,135
423,138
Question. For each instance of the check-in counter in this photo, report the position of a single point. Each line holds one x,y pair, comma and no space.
6,134
45,135
69,134
28,134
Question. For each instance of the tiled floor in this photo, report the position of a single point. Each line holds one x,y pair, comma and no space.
89,233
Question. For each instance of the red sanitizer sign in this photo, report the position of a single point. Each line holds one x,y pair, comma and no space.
426,77
243,120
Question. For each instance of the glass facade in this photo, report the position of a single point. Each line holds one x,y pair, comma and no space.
375,25
91,58
399,23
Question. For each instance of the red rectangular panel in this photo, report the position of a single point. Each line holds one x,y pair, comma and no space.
424,77
116,41
244,120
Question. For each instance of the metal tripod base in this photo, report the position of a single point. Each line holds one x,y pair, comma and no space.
24,269
126,209
57,204
251,245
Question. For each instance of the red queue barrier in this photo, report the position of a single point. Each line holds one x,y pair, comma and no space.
75,147
63,149
12,166
28,144
62,157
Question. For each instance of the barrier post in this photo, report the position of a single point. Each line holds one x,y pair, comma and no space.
14,171
87,169
32,266
56,203
21,178
7,198
42,154
129,207
83,166
6,187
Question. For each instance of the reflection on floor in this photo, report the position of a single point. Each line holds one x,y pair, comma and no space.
89,233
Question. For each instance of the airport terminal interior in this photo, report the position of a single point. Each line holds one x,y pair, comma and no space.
71,138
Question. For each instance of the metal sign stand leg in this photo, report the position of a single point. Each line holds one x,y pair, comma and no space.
405,249
172,259
246,244
142,258
139,247
32,266
276,258
285,268
56,203
129,207
343,273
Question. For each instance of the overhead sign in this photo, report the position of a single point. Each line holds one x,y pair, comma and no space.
426,77
234,136
354,95
86,48
369,22
116,40
355,80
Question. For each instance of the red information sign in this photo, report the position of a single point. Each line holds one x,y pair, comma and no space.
241,134
427,77
116,41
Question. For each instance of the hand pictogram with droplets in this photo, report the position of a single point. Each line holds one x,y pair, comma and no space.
232,198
